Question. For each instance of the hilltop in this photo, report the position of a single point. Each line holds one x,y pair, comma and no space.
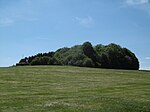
100,56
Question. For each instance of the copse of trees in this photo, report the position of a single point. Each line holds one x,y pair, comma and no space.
111,56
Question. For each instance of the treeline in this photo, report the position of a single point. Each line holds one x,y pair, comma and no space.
100,56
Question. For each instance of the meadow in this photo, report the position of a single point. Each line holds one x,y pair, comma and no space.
73,89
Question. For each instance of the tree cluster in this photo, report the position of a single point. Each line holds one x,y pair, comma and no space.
110,56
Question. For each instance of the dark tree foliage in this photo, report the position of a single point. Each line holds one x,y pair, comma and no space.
116,57
88,49
110,56
89,52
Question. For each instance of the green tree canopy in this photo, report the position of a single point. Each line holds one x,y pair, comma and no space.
85,55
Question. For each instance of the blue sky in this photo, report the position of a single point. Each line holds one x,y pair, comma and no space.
28,27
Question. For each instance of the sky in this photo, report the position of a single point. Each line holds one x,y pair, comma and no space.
28,27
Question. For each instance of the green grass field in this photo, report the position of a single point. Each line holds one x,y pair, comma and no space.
73,89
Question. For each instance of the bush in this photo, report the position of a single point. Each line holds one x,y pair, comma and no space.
87,62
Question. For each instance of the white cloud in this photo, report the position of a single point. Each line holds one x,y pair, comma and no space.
143,5
86,21
147,58
6,21
137,2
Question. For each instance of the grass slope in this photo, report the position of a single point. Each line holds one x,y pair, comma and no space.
73,89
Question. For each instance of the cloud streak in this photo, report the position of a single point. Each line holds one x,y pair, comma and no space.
143,5
6,22
86,21
22,12
137,2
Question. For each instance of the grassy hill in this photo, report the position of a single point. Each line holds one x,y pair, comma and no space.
73,89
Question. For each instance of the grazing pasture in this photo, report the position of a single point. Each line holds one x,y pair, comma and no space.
73,89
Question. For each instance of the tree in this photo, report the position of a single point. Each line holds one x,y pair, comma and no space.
131,60
40,61
87,62
89,52
115,55
88,49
